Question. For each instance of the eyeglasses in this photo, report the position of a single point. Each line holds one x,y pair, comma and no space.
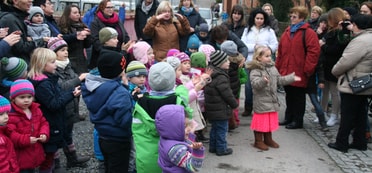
109,7
292,16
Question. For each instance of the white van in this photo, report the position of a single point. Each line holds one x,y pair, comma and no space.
85,5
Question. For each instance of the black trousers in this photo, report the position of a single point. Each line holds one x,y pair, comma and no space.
354,109
295,99
116,155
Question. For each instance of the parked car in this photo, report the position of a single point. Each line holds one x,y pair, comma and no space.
206,13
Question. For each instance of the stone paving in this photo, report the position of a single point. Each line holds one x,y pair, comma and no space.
354,161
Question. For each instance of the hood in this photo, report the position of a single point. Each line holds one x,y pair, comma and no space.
254,64
170,122
92,82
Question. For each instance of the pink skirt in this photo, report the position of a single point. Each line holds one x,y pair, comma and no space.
265,122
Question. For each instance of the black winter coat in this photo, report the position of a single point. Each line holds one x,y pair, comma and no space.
238,30
219,98
242,48
234,79
140,21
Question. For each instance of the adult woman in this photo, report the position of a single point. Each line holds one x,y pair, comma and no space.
257,33
268,8
144,10
336,40
355,62
165,29
106,17
366,8
236,22
186,8
316,11
294,57
70,22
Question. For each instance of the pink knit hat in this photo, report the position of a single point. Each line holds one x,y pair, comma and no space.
183,57
207,49
21,86
172,52
140,51
56,43
4,105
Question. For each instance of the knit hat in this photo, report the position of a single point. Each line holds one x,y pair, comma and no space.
13,67
207,49
21,86
110,64
56,43
162,77
173,61
230,48
183,57
4,105
140,51
351,10
323,18
107,33
172,52
198,60
136,68
193,42
203,27
33,11
218,58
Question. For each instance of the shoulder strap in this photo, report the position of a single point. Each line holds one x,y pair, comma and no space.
304,40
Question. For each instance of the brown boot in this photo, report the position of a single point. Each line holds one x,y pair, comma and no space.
258,141
268,140
247,111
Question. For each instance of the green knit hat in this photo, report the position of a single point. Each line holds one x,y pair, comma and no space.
13,67
198,60
136,68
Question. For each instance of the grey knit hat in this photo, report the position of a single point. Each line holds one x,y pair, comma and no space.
106,33
230,48
162,77
33,11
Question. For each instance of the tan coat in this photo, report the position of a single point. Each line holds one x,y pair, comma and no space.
165,34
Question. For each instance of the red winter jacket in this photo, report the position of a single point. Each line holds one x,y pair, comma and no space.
291,54
29,155
8,158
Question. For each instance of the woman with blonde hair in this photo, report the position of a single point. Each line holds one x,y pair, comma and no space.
274,24
165,27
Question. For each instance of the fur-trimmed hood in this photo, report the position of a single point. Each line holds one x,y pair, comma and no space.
254,64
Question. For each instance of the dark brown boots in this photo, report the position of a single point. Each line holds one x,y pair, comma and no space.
247,111
264,140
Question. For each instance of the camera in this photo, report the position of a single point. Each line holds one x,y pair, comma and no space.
344,24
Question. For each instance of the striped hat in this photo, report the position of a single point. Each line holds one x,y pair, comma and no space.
218,58
4,105
136,68
14,68
21,86
56,43
183,57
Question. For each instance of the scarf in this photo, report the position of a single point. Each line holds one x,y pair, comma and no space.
145,8
186,11
62,64
110,20
293,28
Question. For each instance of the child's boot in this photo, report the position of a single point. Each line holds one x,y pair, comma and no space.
268,140
73,160
258,141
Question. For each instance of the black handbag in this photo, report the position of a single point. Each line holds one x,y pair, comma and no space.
361,83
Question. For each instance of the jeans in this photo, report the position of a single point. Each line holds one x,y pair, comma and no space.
353,117
116,155
248,92
318,109
218,135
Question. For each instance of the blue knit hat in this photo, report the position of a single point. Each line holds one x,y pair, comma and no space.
193,42
4,105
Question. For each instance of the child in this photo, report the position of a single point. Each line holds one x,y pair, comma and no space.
177,150
8,157
162,79
237,75
110,108
192,45
265,78
68,79
219,102
28,125
175,63
203,33
36,28
207,49
136,73
52,100
12,68
143,52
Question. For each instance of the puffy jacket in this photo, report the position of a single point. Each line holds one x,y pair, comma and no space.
8,157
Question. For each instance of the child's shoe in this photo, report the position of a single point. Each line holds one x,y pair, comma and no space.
228,151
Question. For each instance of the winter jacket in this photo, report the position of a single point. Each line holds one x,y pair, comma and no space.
95,27
219,98
165,34
55,30
141,19
175,155
242,48
264,36
8,157
53,101
195,20
292,57
237,30
146,138
30,156
4,48
274,24
110,107
68,80
38,31
265,97
355,62
335,44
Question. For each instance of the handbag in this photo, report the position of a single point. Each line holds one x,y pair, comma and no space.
361,83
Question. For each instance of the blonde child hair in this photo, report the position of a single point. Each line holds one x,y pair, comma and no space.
259,51
39,58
